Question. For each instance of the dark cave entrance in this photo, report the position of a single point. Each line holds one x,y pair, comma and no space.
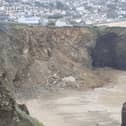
104,54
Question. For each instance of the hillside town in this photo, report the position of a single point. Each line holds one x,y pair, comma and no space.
62,12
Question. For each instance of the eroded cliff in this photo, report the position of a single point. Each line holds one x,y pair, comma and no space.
34,57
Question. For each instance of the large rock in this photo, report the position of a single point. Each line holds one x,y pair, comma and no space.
10,112
123,115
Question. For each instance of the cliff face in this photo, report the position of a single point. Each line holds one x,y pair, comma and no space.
48,57
33,57
110,49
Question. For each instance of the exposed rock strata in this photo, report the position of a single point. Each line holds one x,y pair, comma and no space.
38,56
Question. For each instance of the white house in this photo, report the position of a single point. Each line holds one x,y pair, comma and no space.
61,23
44,21
29,20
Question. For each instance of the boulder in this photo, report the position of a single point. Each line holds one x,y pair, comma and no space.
124,115
12,114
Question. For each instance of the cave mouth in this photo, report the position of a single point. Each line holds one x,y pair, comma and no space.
104,53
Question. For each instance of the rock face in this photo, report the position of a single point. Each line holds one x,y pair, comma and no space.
33,57
123,115
10,112
7,105
110,49
104,52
